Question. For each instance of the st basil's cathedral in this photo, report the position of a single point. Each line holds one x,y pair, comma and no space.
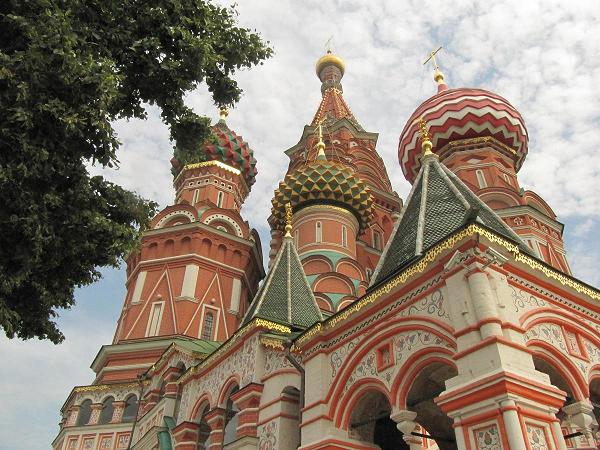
448,320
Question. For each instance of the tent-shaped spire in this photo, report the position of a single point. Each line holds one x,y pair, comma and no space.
438,205
286,297
330,70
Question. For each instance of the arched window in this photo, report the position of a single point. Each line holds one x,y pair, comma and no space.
506,178
208,325
344,236
481,178
220,199
131,408
85,411
231,419
318,232
107,411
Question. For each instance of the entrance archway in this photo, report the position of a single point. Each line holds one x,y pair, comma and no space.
370,422
427,385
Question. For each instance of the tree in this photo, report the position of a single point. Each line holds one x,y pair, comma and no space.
68,69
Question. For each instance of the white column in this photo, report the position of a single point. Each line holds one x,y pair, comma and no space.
514,432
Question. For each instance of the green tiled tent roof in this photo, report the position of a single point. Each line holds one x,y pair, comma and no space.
438,205
285,296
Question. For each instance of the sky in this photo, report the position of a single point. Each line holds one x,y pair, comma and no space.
543,56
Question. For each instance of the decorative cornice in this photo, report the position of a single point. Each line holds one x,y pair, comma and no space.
106,387
234,339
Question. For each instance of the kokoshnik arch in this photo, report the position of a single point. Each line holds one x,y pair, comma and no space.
449,321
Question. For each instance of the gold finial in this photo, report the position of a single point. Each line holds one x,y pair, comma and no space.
328,44
223,113
320,146
438,75
288,219
426,144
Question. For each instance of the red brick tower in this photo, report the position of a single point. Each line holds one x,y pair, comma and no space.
338,244
200,263
482,138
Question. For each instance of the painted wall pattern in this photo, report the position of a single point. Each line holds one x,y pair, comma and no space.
488,438
524,301
268,436
431,305
276,360
241,363
536,437
96,396
404,345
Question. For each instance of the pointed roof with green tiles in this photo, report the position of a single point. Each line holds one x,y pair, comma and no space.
286,297
438,205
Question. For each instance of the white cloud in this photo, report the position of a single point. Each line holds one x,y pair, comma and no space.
543,56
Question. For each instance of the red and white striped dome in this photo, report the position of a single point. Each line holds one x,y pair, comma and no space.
456,114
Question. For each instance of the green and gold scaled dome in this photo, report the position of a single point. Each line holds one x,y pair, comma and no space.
322,181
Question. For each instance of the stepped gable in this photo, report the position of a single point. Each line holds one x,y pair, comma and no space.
438,205
286,296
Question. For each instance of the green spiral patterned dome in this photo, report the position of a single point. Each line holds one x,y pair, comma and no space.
322,181
229,148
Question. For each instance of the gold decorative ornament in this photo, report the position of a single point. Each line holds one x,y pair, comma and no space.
212,163
329,59
223,113
288,219
426,144
438,75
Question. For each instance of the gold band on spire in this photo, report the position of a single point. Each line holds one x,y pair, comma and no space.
288,219
426,144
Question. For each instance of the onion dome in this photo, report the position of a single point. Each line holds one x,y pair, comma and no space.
463,114
329,59
323,182
226,146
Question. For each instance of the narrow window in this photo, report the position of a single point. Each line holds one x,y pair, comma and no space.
139,286
107,411
481,178
131,408
507,179
369,273
296,238
220,199
377,240
344,236
196,195
318,232
207,327
85,411
154,322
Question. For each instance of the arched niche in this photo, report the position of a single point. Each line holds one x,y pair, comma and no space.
370,422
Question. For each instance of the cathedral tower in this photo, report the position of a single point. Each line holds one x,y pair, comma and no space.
344,205
482,138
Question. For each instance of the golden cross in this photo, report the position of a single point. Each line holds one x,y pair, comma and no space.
328,44
432,58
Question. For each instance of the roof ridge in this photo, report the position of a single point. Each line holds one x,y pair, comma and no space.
438,204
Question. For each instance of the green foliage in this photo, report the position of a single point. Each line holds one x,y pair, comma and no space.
68,69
